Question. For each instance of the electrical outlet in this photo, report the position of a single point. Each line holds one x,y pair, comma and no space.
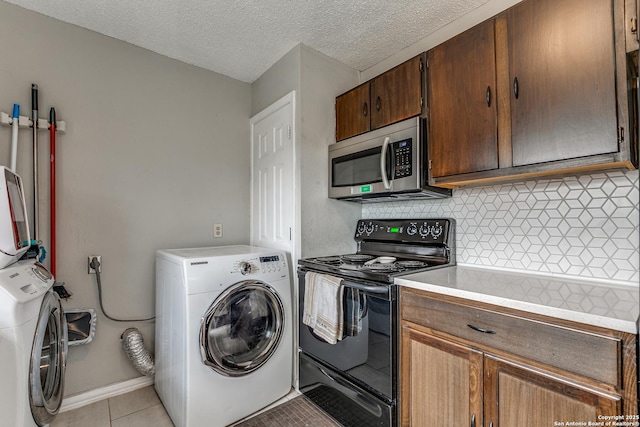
91,270
217,230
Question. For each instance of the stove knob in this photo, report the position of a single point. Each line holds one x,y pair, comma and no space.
369,228
412,229
360,229
436,231
424,230
244,268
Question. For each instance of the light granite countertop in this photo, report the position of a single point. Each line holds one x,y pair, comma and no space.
610,305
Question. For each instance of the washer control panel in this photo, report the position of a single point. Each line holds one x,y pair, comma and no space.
24,281
275,265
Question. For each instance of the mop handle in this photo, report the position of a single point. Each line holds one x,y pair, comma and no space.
14,137
52,183
34,118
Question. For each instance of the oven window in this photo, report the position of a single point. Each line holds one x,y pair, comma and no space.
355,169
367,355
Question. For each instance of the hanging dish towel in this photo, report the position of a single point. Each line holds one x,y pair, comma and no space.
323,306
355,309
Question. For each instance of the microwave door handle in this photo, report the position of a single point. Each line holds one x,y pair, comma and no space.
383,163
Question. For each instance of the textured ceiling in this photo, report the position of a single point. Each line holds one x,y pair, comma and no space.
242,39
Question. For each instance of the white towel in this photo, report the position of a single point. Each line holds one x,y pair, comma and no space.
323,306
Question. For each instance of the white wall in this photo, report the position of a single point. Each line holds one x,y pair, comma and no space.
317,80
328,225
155,153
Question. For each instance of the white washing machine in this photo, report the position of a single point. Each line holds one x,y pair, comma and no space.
224,341
33,346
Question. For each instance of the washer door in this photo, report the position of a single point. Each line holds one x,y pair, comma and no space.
242,328
48,361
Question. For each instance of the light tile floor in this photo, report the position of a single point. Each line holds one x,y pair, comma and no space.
139,408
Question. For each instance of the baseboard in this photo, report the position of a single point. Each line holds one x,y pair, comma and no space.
92,396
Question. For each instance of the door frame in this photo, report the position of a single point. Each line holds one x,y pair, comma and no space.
290,100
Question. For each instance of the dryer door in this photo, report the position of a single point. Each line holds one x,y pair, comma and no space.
48,361
242,328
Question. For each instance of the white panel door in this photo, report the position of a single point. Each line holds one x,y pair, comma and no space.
272,176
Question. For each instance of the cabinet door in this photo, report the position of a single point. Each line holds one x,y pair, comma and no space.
440,382
462,103
523,396
563,87
396,95
352,112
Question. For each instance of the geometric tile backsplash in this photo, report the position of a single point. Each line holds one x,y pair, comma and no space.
583,226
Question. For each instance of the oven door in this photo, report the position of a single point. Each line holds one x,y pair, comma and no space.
378,162
361,369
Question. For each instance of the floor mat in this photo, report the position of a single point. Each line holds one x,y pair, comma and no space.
297,412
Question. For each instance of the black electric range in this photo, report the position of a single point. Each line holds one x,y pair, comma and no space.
355,380
390,248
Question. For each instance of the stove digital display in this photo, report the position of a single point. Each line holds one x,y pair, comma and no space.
394,230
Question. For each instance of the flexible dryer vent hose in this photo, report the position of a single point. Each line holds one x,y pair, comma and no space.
138,355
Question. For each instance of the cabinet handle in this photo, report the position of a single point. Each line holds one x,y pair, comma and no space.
365,109
484,331
488,96
516,90
473,420
378,104
491,424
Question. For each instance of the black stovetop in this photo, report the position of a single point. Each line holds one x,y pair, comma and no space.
415,245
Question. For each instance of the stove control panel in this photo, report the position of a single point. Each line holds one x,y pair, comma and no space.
404,230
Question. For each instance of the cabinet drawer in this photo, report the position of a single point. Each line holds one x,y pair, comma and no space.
584,353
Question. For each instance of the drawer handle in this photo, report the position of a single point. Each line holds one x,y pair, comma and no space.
484,331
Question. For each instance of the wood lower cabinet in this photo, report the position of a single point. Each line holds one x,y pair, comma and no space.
442,382
520,395
464,363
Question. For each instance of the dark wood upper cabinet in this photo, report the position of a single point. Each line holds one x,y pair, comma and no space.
462,99
539,89
389,98
397,94
352,112
563,80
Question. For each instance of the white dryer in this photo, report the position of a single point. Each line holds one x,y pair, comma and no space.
224,341
33,346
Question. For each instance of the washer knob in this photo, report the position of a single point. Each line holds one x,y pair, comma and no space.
244,268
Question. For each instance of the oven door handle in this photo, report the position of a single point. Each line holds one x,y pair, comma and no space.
366,288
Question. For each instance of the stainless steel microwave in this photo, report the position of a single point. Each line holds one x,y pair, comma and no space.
386,164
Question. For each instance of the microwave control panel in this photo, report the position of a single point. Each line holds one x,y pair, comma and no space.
403,158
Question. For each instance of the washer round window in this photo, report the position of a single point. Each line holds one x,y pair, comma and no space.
242,328
48,361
